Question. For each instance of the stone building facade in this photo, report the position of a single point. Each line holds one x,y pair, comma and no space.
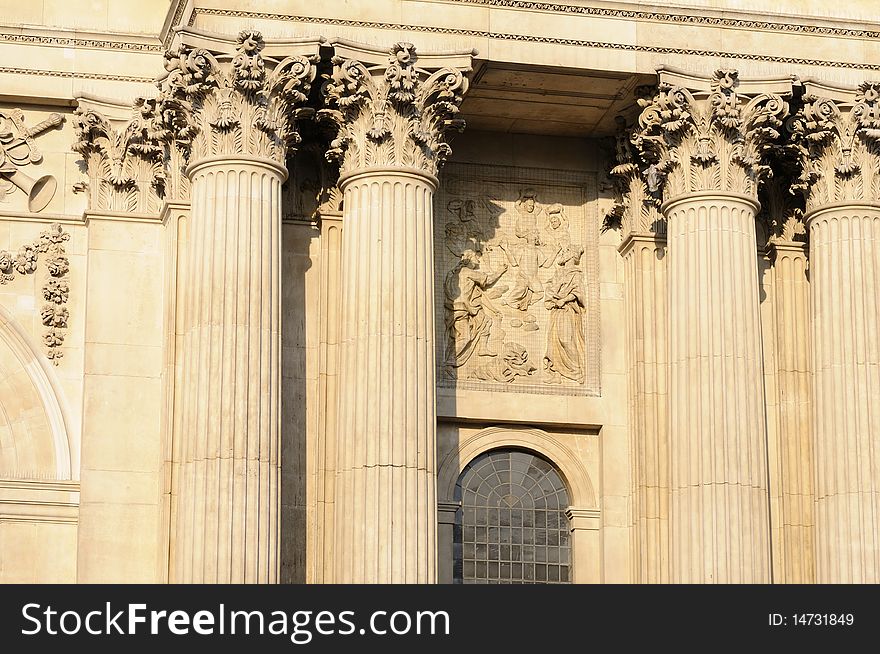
270,313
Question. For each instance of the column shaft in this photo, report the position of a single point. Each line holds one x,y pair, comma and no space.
229,500
386,515
719,522
646,301
325,442
795,470
845,282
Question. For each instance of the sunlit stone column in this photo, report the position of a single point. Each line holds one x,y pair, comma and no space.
643,248
720,523
783,272
839,134
706,140
238,106
796,458
392,112
644,257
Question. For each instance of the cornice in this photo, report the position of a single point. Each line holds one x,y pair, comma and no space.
174,19
708,17
68,39
529,38
823,26
42,218
628,241
66,74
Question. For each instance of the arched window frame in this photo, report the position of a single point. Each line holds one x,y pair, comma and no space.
512,526
584,514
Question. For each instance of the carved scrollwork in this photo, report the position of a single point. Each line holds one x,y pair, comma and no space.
240,103
125,166
839,147
312,189
636,208
56,289
392,114
781,217
702,141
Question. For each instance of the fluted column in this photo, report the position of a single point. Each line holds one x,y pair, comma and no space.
643,249
229,493
845,265
796,460
706,141
321,564
391,113
838,131
236,111
718,466
387,408
646,313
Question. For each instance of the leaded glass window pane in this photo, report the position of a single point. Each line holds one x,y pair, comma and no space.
511,527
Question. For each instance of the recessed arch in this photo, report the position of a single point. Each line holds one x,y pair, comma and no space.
512,525
571,469
34,434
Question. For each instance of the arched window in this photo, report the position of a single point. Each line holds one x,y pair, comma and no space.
511,527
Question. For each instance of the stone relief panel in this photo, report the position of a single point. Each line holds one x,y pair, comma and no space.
516,273
21,155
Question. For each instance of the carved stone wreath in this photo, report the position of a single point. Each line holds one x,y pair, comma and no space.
56,289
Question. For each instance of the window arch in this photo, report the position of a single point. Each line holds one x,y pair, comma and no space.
511,527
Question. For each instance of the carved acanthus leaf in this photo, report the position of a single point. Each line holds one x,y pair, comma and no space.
708,140
636,208
214,103
839,147
125,166
393,114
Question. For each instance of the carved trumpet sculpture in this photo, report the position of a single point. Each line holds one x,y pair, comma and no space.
19,149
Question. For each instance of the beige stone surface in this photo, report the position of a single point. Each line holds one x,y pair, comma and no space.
211,370
384,501
843,255
227,524
717,434
787,349
122,407
647,317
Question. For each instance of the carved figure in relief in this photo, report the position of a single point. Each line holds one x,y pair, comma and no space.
557,237
466,229
457,239
526,226
513,362
468,324
468,217
527,257
565,300
17,148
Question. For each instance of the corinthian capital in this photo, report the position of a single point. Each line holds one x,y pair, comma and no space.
124,158
836,134
710,134
637,197
394,109
242,97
